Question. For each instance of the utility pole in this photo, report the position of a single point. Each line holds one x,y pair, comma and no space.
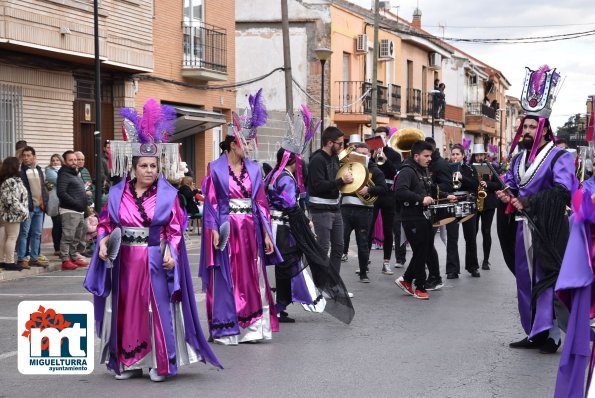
97,133
286,58
374,92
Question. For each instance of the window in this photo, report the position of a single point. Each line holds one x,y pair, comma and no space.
11,119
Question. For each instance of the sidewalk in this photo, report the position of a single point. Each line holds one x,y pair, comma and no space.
47,249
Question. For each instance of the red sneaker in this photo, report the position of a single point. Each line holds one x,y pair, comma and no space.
422,295
69,265
405,286
80,263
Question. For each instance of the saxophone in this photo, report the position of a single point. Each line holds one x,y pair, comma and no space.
481,195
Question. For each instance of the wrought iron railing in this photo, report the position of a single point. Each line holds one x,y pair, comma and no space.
205,47
413,100
356,97
395,99
477,108
439,109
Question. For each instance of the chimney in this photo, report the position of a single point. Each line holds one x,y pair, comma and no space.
416,18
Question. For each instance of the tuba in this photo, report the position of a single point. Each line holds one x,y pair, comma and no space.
403,140
356,164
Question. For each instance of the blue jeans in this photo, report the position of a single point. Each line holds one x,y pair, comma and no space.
34,224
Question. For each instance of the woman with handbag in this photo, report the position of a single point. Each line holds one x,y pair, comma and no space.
51,177
13,211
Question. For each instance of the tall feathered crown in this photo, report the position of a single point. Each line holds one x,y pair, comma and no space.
300,130
539,91
146,135
245,127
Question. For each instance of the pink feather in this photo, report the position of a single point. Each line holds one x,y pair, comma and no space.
150,121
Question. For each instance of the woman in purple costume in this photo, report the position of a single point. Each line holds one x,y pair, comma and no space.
144,300
236,245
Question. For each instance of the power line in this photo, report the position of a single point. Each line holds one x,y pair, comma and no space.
510,26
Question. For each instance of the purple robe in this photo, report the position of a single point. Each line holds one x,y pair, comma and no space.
151,308
575,289
239,299
542,174
283,194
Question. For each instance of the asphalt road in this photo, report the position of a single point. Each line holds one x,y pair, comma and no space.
454,345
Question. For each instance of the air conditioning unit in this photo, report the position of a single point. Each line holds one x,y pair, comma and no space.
361,44
387,49
435,60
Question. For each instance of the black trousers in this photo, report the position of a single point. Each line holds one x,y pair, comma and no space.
419,235
56,232
433,265
453,265
387,205
400,250
357,218
486,217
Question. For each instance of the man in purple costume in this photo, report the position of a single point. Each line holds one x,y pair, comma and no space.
575,289
144,299
540,181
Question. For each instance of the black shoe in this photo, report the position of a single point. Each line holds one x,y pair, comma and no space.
475,273
526,343
210,339
485,265
364,279
434,284
284,318
12,267
550,347
452,276
2,265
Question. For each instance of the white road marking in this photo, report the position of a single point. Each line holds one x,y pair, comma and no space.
8,354
8,318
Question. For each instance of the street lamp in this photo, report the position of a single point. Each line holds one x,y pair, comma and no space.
323,54
433,93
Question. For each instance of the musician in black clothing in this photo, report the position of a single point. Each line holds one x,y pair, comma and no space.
386,204
467,174
490,185
442,178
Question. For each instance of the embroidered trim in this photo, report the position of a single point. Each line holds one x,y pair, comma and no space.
251,316
240,210
136,350
533,172
139,201
135,239
238,181
222,325
317,300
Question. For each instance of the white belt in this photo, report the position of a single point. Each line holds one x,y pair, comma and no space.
243,205
354,200
389,181
135,236
323,201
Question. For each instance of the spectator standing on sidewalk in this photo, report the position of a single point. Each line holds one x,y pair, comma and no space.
33,179
90,192
51,177
73,202
13,211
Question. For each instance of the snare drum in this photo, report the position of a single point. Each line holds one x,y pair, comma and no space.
461,195
465,210
442,214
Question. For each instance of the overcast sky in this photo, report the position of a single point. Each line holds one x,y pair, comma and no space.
574,59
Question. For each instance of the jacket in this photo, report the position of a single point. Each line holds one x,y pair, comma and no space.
491,201
44,191
13,200
322,181
71,190
440,173
413,184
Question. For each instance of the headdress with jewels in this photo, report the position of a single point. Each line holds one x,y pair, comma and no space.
539,94
244,128
146,135
300,130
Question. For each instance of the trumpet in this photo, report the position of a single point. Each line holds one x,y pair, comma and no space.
380,157
456,177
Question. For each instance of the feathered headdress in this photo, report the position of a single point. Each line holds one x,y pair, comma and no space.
539,94
146,135
245,127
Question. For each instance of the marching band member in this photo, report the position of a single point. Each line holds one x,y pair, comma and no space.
467,174
486,216
539,183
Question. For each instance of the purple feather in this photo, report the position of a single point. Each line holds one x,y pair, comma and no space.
310,123
538,80
466,143
132,115
259,112
167,123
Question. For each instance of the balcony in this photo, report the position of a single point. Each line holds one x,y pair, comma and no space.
394,105
413,101
355,101
439,111
480,118
205,52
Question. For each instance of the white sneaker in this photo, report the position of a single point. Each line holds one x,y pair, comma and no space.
154,376
129,374
399,265
349,294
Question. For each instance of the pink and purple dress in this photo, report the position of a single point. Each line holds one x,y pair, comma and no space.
146,315
240,305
